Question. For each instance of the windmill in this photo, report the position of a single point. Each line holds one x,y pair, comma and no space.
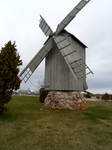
65,66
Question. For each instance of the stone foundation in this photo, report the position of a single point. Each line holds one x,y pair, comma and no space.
65,100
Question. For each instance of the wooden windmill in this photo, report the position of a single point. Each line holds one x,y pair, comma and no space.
65,67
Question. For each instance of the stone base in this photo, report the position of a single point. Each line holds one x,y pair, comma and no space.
65,100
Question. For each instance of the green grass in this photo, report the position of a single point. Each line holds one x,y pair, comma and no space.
28,126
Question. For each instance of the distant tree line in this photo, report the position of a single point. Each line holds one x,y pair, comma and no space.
105,96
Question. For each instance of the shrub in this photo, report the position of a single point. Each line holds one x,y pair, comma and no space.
105,96
111,97
1,108
43,94
98,97
88,95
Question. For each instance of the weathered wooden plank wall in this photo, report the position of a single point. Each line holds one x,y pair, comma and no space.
57,74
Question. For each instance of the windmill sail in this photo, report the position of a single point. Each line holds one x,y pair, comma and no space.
31,67
71,56
71,15
45,27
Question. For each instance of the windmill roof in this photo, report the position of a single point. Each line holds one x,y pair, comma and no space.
75,38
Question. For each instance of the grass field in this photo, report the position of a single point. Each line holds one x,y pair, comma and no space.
28,126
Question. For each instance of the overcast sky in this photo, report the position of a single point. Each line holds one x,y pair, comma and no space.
19,20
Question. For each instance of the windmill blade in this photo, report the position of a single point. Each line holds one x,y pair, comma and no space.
45,27
81,69
71,16
31,67
71,56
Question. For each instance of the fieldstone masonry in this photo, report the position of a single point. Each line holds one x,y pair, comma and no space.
65,100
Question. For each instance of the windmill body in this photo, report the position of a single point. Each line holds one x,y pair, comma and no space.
65,64
58,76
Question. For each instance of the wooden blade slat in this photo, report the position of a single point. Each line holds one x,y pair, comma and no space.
45,27
71,15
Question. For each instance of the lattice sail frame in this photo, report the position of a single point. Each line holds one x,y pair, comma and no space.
31,67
